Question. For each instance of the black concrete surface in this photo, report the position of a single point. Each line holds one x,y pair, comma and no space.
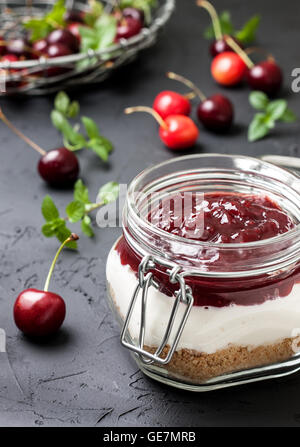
83,377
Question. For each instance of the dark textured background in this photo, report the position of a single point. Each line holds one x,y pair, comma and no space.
83,376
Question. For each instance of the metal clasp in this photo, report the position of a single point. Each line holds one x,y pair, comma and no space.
184,295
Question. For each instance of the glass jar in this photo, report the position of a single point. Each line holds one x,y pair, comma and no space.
201,315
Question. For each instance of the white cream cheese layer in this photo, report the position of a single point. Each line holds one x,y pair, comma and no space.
207,329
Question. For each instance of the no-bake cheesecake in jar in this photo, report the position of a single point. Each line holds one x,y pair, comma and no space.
206,274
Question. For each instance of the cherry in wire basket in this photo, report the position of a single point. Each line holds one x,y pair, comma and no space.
40,313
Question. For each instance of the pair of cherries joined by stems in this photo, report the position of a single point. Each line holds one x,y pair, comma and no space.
230,68
171,109
231,64
58,167
40,312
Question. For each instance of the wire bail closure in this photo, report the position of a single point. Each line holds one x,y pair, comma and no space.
183,294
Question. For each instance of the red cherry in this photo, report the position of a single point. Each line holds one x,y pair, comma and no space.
266,77
180,133
228,68
58,50
74,29
134,13
59,167
63,38
171,103
39,312
40,46
128,27
220,46
176,131
216,113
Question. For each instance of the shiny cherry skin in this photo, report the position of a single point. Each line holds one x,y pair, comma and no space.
181,132
18,47
2,46
220,46
58,50
59,167
228,68
74,16
63,37
39,313
168,103
266,77
74,29
40,45
134,13
128,27
216,113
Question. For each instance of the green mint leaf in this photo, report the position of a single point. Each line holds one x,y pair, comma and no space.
225,23
100,150
86,226
96,9
81,193
258,100
62,102
38,29
75,211
288,116
62,233
73,109
49,228
258,127
73,140
101,146
247,34
108,193
49,210
276,109
106,27
91,127
42,26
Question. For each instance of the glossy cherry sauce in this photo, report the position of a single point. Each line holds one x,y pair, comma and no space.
226,218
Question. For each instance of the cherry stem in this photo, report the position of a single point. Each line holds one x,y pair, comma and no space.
146,109
21,135
188,83
237,49
251,50
72,237
214,17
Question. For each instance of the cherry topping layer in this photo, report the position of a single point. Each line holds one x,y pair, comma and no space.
221,218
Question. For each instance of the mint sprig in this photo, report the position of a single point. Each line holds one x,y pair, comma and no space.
245,35
270,113
73,139
101,36
41,27
76,211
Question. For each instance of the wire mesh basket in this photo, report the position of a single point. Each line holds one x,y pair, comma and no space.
31,76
